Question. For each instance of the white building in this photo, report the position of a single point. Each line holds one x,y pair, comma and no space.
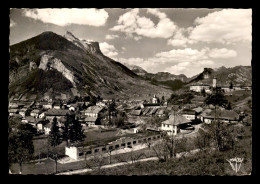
172,125
154,100
199,87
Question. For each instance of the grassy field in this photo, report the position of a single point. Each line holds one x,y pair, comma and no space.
202,163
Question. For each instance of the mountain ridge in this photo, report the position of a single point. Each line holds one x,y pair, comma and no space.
84,70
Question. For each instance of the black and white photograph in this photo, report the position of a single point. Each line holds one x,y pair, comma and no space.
130,91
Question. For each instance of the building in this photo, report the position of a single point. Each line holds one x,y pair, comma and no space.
214,84
199,100
136,112
199,87
92,111
58,113
22,112
56,105
172,125
35,113
190,114
13,105
161,112
13,111
227,116
91,121
46,105
154,100
198,110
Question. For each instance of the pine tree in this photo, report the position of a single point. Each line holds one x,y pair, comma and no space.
66,128
55,136
76,132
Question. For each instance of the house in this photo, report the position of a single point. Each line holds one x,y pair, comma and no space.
56,105
199,87
13,105
92,111
46,105
198,100
136,112
22,112
43,126
226,89
58,113
204,113
172,125
29,119
161,112
38,105
91,121
101,104
198,110
35,113
228,116
155,100
190,114
13,111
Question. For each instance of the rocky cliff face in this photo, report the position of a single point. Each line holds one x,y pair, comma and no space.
49,62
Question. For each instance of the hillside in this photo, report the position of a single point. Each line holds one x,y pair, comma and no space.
50,64
238,75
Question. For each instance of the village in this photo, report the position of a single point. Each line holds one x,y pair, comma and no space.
143,120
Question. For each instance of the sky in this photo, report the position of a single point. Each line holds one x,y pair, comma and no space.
178,41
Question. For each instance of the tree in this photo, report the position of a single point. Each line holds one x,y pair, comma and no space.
203,139
55,137
76,131
229,107
111,109
203,92
231,85
65,129
216,99
72,130
20,148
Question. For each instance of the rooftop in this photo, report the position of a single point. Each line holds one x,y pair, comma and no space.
223,114
56,112
176,120
93,109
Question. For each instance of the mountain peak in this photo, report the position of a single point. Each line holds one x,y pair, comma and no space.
89,46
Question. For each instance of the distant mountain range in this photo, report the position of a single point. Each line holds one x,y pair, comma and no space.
65,66
238,75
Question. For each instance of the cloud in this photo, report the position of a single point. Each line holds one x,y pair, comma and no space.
226,26
179,40
133,24
181,61
183,55
65,16
111,37
12,23
108,50
222,53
